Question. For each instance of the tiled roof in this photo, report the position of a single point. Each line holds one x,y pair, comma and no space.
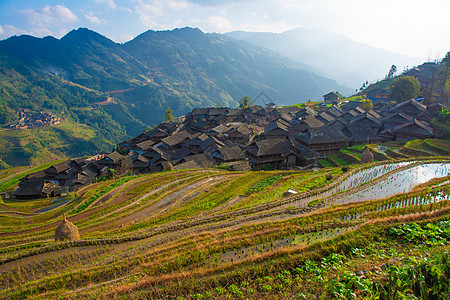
232,153
176,138
270,147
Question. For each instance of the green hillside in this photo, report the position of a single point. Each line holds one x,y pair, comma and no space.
44,144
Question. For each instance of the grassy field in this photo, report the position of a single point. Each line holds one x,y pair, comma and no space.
215,234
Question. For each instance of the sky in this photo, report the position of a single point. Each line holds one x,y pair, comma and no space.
413,27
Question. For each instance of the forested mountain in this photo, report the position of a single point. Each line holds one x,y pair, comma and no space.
349,62
119,89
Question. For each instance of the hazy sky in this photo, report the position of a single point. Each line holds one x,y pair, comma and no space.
413,27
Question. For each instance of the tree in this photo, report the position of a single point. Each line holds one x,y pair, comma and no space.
392,71
405,88
245,102
169,116
446,60
366,105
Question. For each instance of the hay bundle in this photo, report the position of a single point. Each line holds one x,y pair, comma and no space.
366,156
66,231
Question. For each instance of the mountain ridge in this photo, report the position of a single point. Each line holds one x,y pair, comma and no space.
336,55
181,69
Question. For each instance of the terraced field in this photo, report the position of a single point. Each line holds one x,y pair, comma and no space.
199,234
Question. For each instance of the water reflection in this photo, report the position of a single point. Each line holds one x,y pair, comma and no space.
401,182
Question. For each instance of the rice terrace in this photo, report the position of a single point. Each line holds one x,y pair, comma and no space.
378,230
143,161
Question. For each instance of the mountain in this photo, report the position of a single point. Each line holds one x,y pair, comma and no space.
348,62
119,89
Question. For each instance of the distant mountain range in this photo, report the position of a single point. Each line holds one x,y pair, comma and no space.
338,57
119,89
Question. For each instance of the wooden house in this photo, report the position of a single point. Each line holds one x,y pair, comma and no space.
410,107
111,160
228,154
277,129
325,140
414,129
395,119
240,134
378,95
332,98
35,189
275,152
367,120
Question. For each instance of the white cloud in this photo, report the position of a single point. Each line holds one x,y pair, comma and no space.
10,30
93,19
219,24
110,3
49,15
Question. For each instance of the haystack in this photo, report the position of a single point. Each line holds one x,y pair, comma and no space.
366,156
66,231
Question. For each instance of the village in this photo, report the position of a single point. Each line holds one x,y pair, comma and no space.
249,138
29,119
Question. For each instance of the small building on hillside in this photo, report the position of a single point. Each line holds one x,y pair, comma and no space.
332,98
378,95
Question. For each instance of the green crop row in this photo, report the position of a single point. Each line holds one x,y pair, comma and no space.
100,193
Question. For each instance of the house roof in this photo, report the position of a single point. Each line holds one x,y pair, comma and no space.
340,122
312,122
375,114
145,145
218,130
232,153
242,129
176,138
156,132
409,127
400,116
325,117
276,124
360,133
412,102
331,95
199,111
181,153
367,116
252,109
203,160
58,168
35,187
350,105
114,156
288,110
270,147
35,175
234,112
322,135
304,112
141,159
